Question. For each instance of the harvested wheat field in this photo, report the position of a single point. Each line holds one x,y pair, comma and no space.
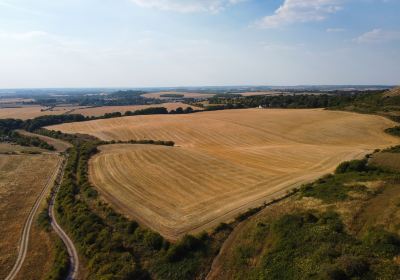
99,111
27,112
223,163
22,178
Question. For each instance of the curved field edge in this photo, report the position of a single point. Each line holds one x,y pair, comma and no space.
110,244
154,258
151,185
225,162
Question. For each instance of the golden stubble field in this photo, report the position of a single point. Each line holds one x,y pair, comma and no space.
24,112
33,111
22,178
223,163
99,111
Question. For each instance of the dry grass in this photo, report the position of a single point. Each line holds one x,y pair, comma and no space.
22,177
225,162
388,160
99,111
8,148
157,95
41,254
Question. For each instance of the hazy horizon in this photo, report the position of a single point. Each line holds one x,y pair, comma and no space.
194,87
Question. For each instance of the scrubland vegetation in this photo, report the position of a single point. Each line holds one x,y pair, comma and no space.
321,233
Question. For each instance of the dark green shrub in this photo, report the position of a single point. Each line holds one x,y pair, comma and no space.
153,240
382,242
352,166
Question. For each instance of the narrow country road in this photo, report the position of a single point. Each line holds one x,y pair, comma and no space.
73,254
24,240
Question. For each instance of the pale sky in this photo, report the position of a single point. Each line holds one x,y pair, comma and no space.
148,43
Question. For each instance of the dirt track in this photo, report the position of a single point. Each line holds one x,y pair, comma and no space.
72,252
225,162
24,240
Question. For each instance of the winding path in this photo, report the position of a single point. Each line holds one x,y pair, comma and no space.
24,240
73,254
55,179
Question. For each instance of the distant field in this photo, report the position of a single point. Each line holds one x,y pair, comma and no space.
22,178
30,112
224,163
254,93
99,111
33,111
14,100
157,95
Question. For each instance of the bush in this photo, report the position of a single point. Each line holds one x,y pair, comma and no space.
352,166
393,131
153,240
354,266
383,243
61,264
188,244
44,219
222,227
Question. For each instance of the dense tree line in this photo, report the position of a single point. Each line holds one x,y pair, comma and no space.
172,95
96,98
29,141
8,134
148,111
39,122
285,101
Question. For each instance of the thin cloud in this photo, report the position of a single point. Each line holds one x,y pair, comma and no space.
187,6
23,35
293,11
335,30
377,35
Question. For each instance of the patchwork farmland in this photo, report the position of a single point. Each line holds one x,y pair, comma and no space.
223,163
